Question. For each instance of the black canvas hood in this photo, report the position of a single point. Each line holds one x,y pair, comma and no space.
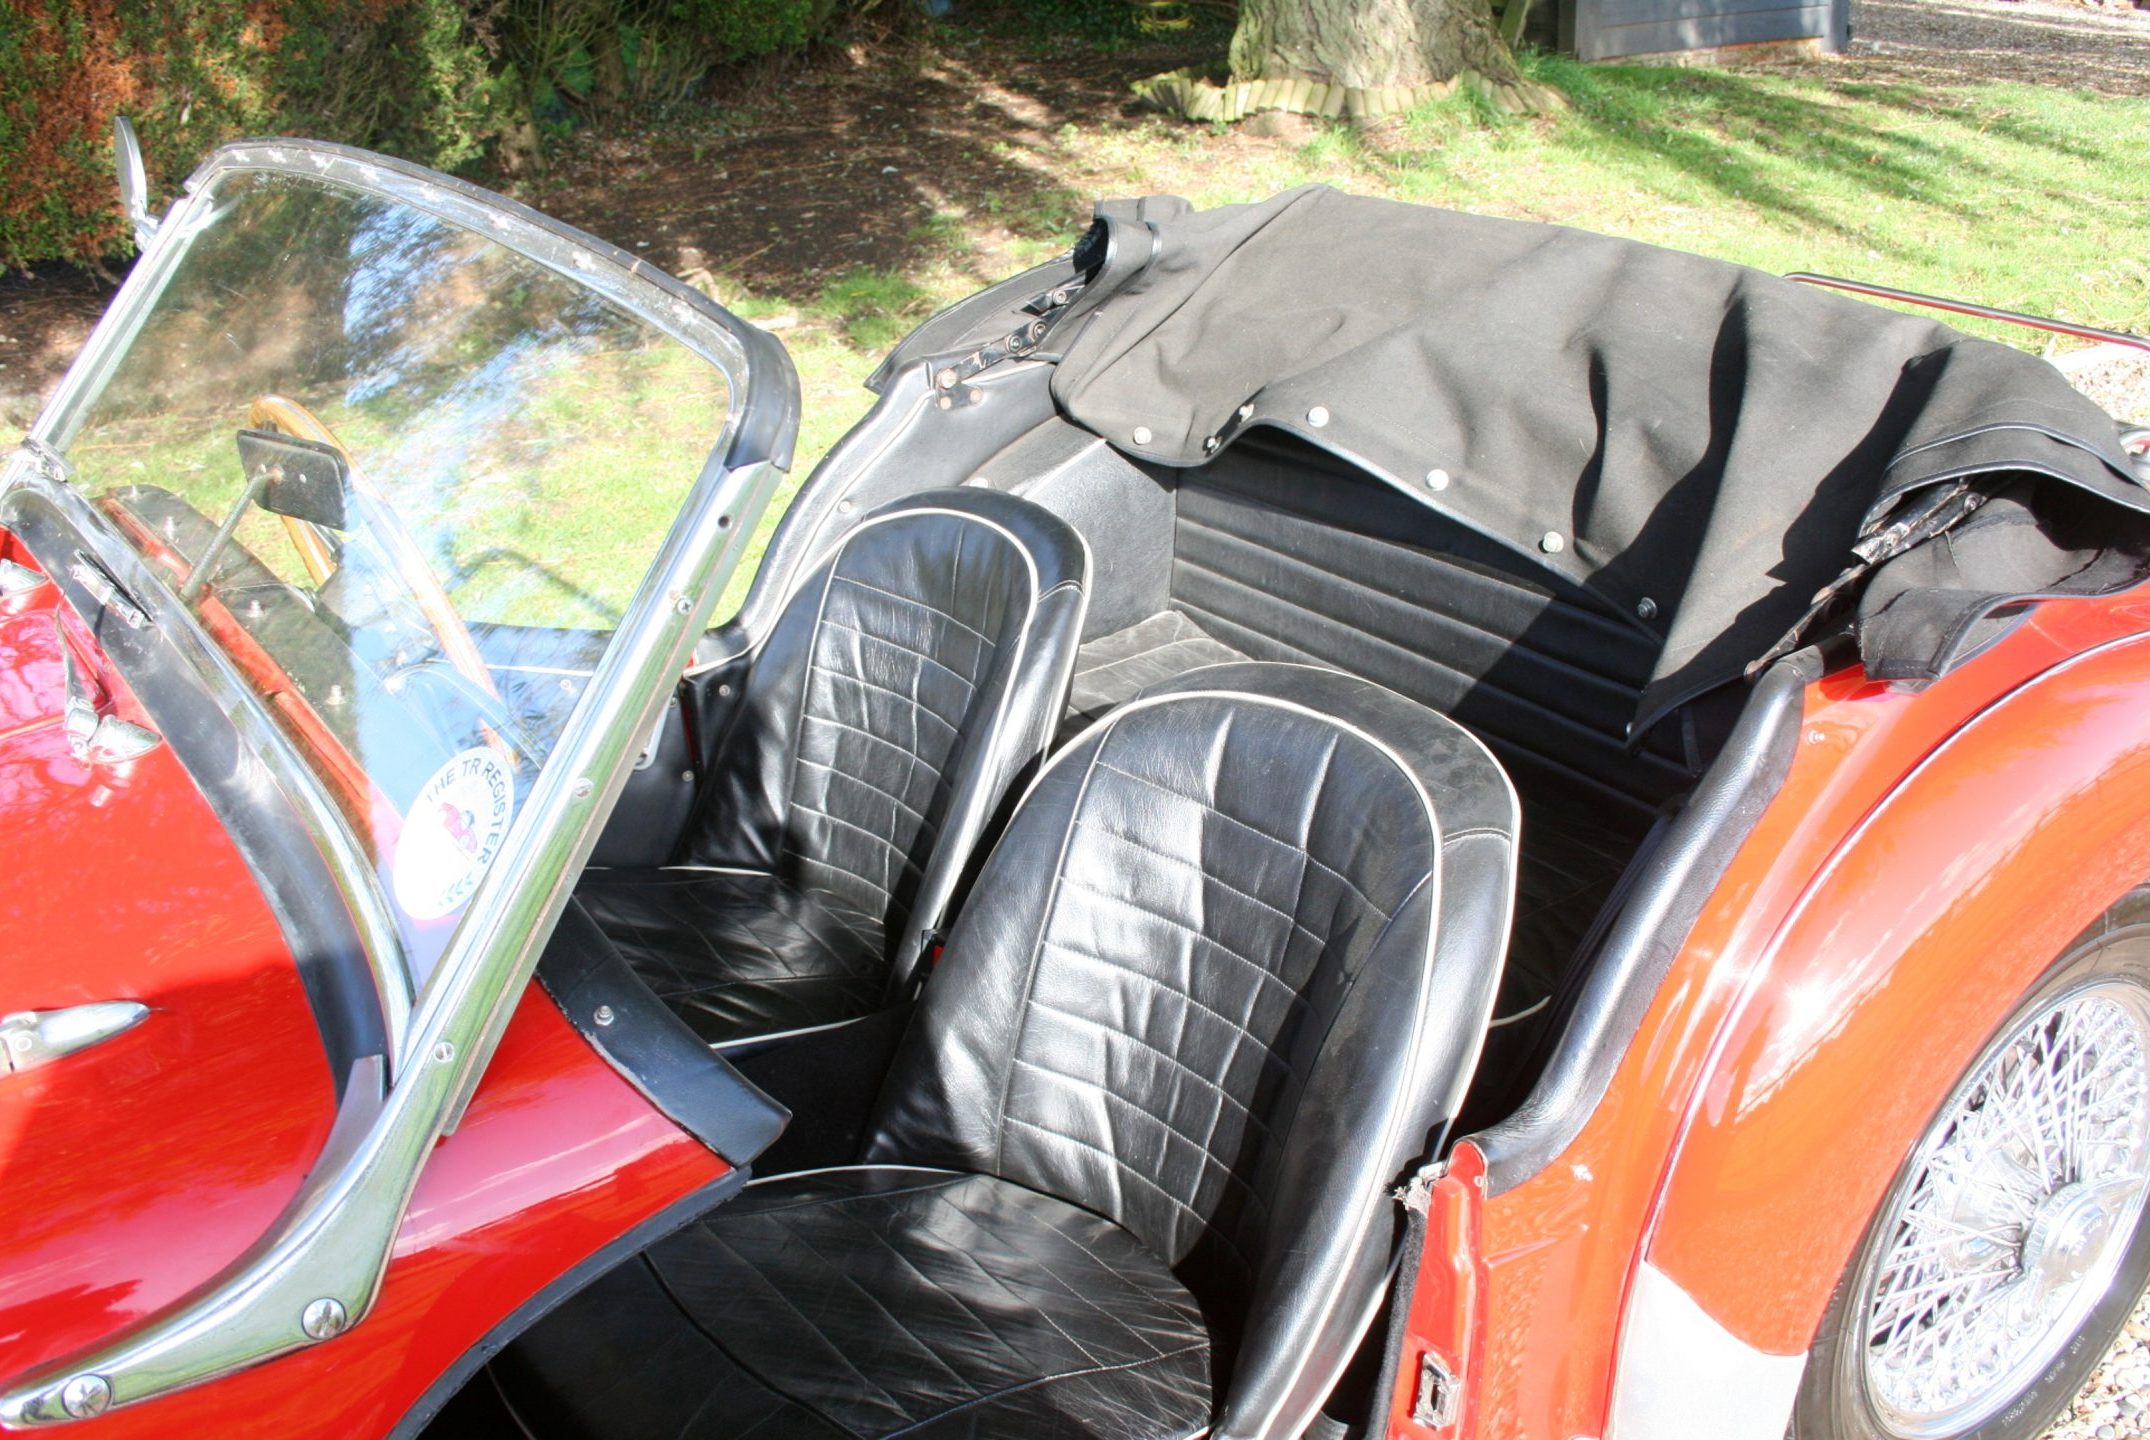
1703,446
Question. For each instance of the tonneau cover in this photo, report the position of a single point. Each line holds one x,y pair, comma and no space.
1699,444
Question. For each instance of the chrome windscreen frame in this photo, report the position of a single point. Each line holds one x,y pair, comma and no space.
318,1271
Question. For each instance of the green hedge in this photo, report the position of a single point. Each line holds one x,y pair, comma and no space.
437,81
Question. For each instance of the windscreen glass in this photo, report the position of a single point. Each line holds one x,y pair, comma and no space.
409,479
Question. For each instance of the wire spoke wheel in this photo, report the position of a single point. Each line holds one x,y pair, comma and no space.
2021,1204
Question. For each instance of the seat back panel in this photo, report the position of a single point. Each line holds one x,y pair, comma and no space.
1208,988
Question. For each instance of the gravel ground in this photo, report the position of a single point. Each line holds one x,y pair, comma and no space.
2116,376
2035,42
2115,1405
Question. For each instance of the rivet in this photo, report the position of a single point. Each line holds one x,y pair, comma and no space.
582,788
1142,434
324,1319
335,695
1318,416
253,609
1209,444
1815,737
603,1015
1646,608
443,1052
85,1396
567,684
845,507
724,690
946,402
1436,479
686,777
1552,542
947,378
974,395
1246,412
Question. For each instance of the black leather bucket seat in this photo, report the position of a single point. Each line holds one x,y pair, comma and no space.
1222,982
907,681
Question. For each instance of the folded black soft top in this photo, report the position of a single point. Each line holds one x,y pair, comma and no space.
1700,444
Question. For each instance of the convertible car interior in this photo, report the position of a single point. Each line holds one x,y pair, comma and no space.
1187,753
1225,974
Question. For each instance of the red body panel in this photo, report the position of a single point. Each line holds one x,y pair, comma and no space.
1446,1321
131,1172
205,1117
1562,1246
1950,901
556,1156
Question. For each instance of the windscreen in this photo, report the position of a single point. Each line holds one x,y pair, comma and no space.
408,478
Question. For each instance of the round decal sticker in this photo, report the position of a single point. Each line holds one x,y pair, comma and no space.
454,830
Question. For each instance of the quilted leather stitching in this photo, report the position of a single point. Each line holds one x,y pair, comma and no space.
1223,964
889,1312
739,953
888,672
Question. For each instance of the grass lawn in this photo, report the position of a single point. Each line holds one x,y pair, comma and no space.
2027,197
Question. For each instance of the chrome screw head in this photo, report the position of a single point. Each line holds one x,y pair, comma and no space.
1437,479
324,1319
443,1053
604,1015
1318,416
85,1396
1142,434
1552,542
583,789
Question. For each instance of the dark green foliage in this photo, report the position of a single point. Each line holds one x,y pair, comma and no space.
436,81
406,76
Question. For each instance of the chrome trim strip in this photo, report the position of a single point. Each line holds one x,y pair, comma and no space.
1683,1376
30,1038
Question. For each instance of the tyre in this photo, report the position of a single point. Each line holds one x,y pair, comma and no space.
2013,1244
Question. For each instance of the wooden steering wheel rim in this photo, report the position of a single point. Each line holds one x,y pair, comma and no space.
278,412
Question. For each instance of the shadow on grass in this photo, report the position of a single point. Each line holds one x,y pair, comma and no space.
1820,156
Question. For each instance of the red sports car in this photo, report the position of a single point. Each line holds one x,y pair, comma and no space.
1334,819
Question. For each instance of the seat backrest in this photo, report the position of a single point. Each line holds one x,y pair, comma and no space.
1223,980
908,680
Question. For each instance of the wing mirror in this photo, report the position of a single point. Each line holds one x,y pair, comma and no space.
301,479
133,180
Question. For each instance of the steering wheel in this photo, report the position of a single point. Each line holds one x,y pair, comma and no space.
281,413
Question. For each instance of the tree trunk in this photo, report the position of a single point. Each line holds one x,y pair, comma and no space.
1368,44
1356,58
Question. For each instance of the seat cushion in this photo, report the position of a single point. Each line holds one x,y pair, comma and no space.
738,954
869,1302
